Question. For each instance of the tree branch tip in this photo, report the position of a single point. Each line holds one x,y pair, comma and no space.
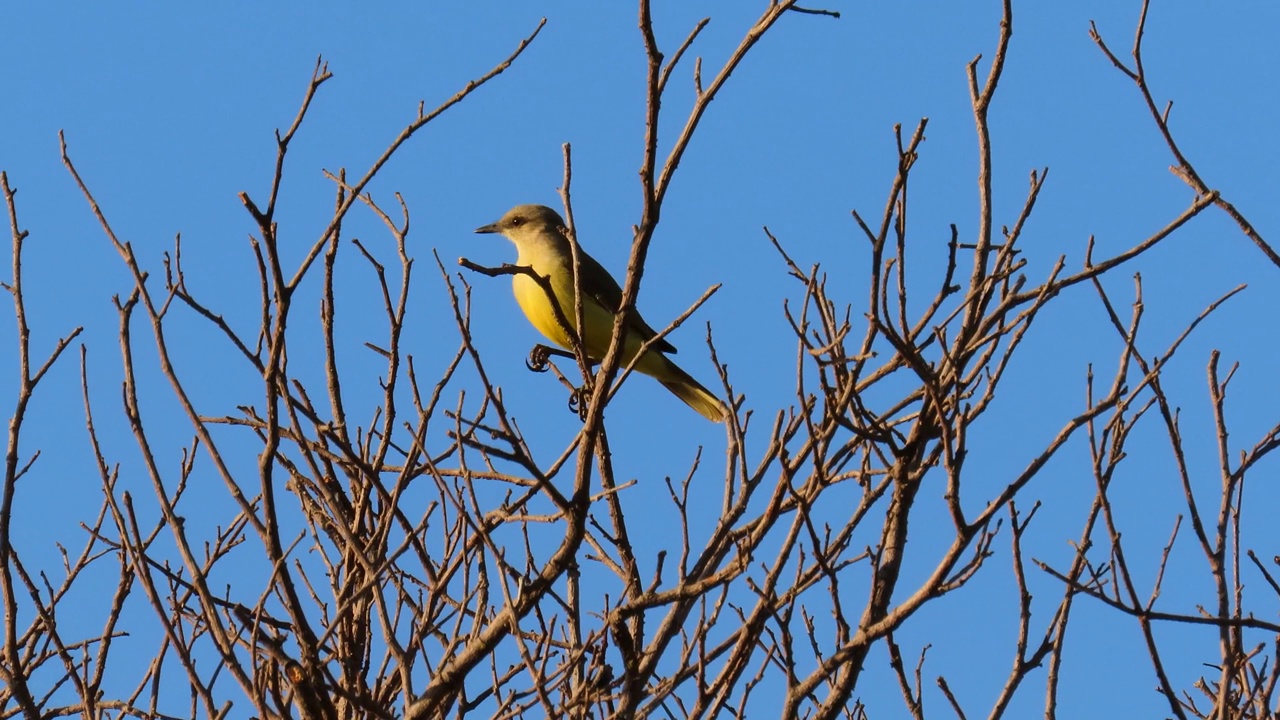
834,14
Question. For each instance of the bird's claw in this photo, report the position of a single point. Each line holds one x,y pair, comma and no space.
578,402
539,359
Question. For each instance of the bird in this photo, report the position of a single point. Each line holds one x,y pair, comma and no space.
542,244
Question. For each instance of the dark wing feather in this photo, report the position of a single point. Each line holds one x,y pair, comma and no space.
608,293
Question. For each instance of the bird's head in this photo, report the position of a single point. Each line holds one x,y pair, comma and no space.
526,224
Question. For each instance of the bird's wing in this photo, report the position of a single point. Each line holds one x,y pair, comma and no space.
608,293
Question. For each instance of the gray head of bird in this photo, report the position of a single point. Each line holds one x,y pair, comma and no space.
529,224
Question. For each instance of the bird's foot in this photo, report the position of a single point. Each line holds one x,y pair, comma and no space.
578,402
539,358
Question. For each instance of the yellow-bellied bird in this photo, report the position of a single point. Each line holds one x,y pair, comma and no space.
542,243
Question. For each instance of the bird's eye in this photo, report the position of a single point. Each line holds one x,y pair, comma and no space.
517,221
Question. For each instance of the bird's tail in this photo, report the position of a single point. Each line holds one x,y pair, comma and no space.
683,386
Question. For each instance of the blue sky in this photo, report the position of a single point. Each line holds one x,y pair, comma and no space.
170,112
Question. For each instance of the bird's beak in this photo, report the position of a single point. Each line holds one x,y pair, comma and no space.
490,228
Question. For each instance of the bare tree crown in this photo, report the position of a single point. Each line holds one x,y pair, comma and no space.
421,561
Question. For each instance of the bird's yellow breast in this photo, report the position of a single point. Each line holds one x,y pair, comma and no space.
598,320
536,305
